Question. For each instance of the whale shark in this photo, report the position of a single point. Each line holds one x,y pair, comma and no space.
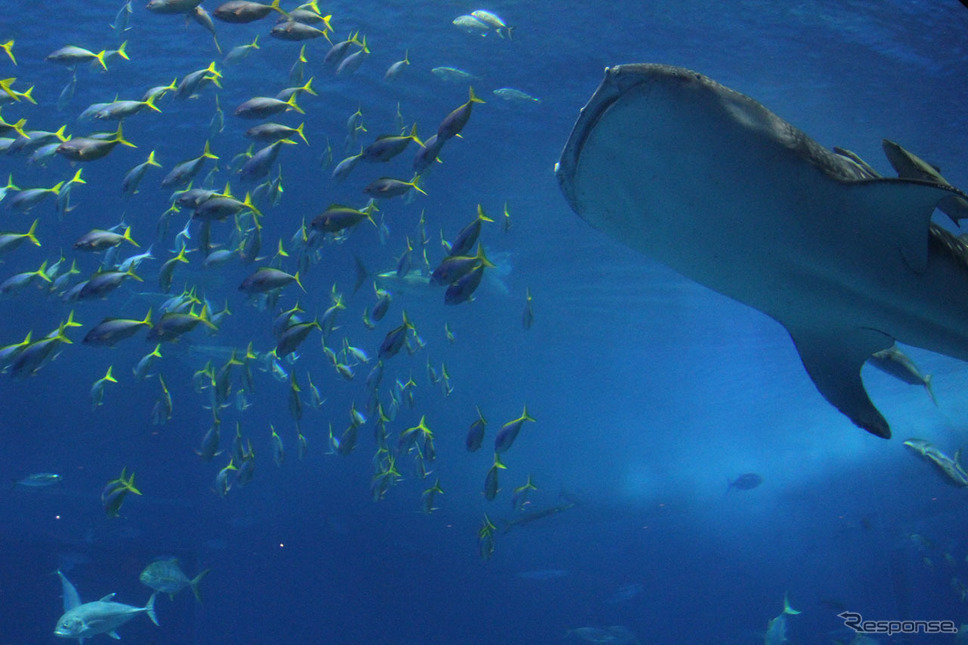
713,184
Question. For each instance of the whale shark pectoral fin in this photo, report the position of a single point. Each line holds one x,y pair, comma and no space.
833,357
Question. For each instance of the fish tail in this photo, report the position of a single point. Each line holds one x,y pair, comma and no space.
8,47
927,386
481,216
119,138
415,184
31,234
195,582
275,6
150,102
18,127
121,51
127,236
100,59
150,609
292,104
28,95
207,153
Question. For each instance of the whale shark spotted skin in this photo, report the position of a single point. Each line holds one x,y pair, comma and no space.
717,187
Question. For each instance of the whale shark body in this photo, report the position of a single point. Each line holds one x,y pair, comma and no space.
717,187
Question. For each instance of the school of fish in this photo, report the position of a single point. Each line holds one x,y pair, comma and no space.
226,208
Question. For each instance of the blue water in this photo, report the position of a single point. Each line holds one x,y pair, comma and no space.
650,392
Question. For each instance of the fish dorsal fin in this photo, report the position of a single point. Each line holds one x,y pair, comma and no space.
107,598
901,212
833,358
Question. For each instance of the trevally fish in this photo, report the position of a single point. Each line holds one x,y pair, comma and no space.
167,576
102,616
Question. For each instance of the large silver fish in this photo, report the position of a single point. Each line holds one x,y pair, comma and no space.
714,185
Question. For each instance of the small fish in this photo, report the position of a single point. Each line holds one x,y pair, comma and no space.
345,167
24,279
295,31
485,538
338,52
453,75
193,82
520,497
949,467
239,53
172,6
428,154
463,290
746,481
267,279
97,390
98,240
429,495
38,480
337,218
11,241
114,492
527,318
509,432
468,235
776,628
244,11
185,171
493,20
490,481
351,63
899,365
91,149
454,267
393,342
261,107
122,20
293,336
471,25
143,366
278,451
171,326
167,577
272,132
454,122
67,94
118,110
512,95
112,330
101,616
475,434
388,187
387,147
72,56
131,181
397,68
